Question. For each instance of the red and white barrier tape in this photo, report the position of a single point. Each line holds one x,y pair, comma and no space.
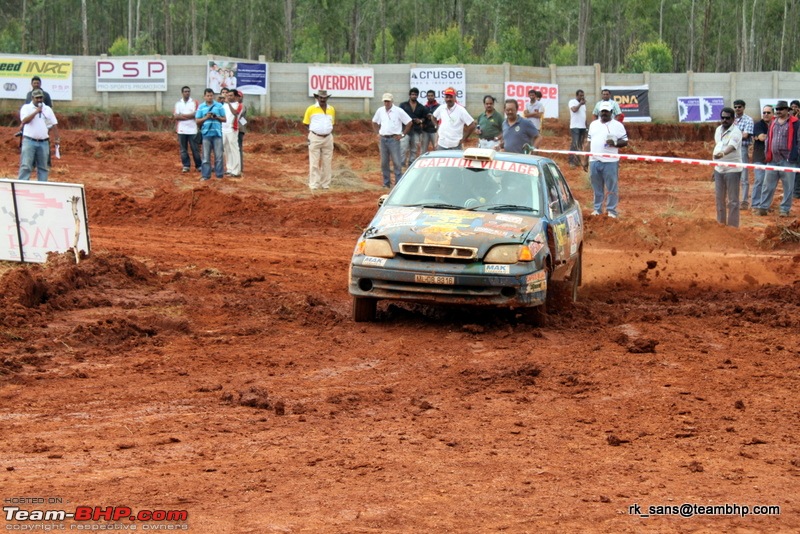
665,159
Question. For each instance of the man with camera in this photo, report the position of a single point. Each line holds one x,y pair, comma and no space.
35,117
577,128
209,117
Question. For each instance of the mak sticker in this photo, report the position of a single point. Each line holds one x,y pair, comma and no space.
373,261
497,269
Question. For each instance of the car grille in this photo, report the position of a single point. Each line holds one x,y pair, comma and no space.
438,251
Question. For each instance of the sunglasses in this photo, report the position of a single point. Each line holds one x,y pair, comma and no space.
725,117
766,113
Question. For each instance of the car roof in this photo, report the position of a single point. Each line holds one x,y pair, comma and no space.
498,156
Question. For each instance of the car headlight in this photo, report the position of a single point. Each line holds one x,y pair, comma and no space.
380,248
508,254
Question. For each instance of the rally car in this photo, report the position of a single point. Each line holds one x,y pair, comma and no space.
477,227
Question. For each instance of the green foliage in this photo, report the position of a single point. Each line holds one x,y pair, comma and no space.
119,48
144,45
447,47
653,56
562,55
796,66
511,49
11,38
390,47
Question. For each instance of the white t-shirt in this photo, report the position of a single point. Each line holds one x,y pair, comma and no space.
230,117
37,128
451,124
599,132
532,107
577,119
187,127
392,121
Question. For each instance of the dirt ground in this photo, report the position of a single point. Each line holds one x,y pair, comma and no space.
203,358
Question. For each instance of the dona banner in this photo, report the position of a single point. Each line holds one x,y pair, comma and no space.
634,102
699,108
16,73
249,78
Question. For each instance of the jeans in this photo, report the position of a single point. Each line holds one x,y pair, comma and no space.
726,189
409,148
210,143
758,188
185,141
578,136
390,148
771,184
34,152
605,183
744,175
427,142
241,151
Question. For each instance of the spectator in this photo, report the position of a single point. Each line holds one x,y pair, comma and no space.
242,126
745,125
230,135
727,148
795,108
184,114
606,97
782,151
392,124
319,118
455,123
605,136
209,117
35,117
36,83
760,131
410,145
518,131
429,127
534,110
490,124
577,128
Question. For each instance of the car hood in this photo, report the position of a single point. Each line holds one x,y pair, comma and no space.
450,227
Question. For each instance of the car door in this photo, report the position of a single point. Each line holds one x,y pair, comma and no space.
571,210
558,231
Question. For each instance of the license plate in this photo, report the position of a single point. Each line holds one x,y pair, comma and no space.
441,280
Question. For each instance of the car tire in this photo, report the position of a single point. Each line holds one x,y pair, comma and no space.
561,295
536,316
364,309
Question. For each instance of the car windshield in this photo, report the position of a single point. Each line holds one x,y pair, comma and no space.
486,186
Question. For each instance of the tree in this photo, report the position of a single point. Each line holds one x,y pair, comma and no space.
654,56
119,48
562,55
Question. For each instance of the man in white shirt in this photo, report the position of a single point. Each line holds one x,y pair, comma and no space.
727,148
455,123
577,127
392,124
534,110
230,136
35,117
606,136
184,112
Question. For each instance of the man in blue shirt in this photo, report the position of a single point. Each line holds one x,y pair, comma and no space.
517,131
209,117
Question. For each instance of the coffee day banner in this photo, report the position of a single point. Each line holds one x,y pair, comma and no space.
519,92
633,101
249,78
16,73
700,108
342,82
437,79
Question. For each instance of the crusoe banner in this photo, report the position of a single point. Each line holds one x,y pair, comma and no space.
634,102
437,79
16,73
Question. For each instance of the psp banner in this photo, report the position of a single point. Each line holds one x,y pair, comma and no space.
41,217
437,79
130,75
700,108
519,92
634,102
249,78
342,82
16,73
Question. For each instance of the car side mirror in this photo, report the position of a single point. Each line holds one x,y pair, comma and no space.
382,199
554,207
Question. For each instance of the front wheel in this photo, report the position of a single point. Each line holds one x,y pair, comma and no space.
364,309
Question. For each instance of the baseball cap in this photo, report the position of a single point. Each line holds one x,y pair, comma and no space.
449,91
388,97
606,105
37,92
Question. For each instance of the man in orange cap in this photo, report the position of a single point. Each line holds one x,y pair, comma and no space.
455,123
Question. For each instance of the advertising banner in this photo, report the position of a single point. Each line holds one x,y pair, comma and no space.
519,92
634,102
249,78
342,82
16,73
699,108
41,217
437,79
130,75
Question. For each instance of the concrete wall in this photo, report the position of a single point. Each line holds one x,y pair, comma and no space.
287,94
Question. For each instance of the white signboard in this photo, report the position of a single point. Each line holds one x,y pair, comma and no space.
131,75
438,79
519,92
342,82
16,73
40,217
